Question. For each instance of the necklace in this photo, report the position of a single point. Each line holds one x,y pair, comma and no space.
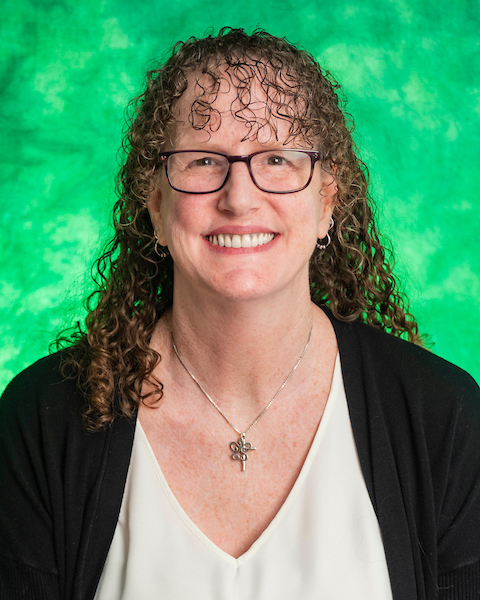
242,447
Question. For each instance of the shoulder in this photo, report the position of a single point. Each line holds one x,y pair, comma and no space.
41,408
41,387
42,373
402,369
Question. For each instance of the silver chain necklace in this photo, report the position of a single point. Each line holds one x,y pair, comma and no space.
242,447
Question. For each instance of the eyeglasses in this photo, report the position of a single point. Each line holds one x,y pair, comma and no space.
274,171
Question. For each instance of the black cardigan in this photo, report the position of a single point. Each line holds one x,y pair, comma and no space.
416,423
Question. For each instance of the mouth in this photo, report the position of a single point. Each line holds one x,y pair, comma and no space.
247,240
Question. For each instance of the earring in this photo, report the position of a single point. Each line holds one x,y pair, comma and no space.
162,251
321,246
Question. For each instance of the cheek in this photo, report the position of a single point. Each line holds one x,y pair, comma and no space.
183,217
307,211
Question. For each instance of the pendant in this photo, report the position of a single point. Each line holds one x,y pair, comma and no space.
240,450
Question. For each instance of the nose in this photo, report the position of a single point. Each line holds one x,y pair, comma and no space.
239,195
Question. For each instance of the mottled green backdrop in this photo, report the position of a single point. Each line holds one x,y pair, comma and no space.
410,69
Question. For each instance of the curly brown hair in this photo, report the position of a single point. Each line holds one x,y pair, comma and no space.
353,276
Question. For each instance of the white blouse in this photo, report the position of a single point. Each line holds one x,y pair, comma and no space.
324,542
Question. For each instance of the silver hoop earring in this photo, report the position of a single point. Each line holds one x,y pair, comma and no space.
162,251
332,223
321,246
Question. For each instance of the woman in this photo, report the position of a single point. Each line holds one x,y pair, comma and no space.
234,421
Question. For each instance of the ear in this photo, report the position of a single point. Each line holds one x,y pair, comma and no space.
327,194
154,205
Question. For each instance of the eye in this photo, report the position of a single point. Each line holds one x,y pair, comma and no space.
276,160
205,161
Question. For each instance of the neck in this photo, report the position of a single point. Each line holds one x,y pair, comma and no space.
240,351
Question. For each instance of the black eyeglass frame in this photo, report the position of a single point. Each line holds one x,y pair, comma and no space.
314,155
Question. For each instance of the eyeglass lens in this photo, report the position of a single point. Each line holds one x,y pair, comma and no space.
272,171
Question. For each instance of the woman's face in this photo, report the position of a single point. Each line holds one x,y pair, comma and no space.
186,223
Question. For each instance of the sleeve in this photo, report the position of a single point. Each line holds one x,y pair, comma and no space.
459,518
416,422
60,487
28,566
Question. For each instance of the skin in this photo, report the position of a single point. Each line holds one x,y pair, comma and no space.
240,319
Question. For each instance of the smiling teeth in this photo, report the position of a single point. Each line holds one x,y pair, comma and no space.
247,240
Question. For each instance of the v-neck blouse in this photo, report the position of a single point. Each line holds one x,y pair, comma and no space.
324,542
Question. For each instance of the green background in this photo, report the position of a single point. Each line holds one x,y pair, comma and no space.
411,72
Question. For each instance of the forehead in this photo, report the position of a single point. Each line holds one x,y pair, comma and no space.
246,97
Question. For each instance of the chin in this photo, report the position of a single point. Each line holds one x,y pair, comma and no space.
245,288
240,293
240,286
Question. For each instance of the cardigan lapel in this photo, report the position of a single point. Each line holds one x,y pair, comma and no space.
377,459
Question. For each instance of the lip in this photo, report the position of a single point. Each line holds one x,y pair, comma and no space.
240,230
